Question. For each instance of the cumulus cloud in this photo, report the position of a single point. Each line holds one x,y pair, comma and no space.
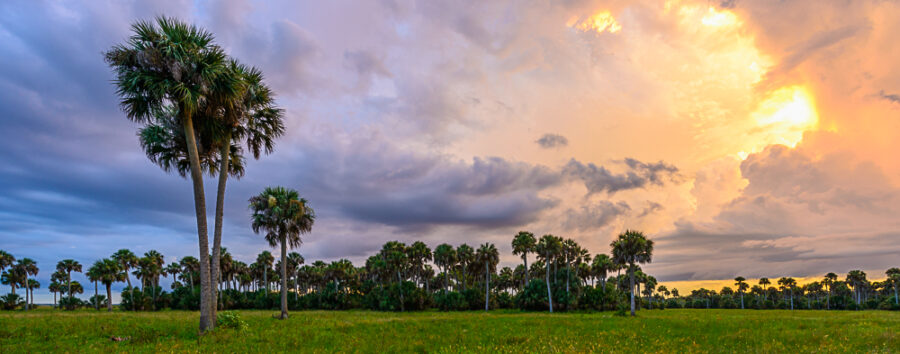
596,215
549,141
599,179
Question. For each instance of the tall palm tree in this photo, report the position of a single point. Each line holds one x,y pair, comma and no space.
32,284
570,251
295,260
419,254
54,287
28,267
547,249
173,269
109,271
93,274
153,263
488,256
741,284
465,254
601,267
264,263
189,267
788,284
445,257
395,258
6,260
764,283
829,281
168,63
524,243
857,280
127,260
14,277
893,278
632,248
283,216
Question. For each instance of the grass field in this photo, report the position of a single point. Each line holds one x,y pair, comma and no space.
320,331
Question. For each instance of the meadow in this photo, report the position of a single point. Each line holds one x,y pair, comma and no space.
678,330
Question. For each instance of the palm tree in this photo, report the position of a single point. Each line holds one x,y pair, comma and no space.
395,257
764,283
547,249
445,257
27,267
264,263
857,279
93,274
54,288
601,267
127,260
109,271
153,263
6,260
632,248
465,254
14,277
419,254
168,63
295,260
524,243
570,251
172,269
488,256
283,216
893,278
788,284
741,284
32,284
829,280
189,266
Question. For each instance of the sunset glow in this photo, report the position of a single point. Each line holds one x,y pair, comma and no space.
785,114
600,22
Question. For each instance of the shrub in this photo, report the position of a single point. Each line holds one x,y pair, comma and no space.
450,301
11,301
230,319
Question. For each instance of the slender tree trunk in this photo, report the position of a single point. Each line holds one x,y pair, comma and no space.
266,280
487,286
206,322
109,297
130,289
742,301
446,276
54,299
525,259
284,307
400,282
549,293
96,299
224,152
26,291
631,276
465,277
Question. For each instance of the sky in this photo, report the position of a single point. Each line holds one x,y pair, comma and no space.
752,138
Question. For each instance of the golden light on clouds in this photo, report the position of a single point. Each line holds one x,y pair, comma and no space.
785,114
599,22
717,18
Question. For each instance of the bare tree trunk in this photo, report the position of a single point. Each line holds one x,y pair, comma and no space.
487,286
400,282
525,259
202,231
631,276
26,291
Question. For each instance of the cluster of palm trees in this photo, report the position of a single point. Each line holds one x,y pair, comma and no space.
282,216
199,110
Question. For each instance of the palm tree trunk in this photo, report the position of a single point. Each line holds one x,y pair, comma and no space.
200,211
549,293
217,226
631,275
525,259
284,307
487,286
96,299
109,297
26,291
266,280
130,289
400,282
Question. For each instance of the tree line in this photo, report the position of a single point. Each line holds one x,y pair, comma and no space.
563,276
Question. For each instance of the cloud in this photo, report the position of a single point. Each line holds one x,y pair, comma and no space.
549,141
890,97
596,215
599,179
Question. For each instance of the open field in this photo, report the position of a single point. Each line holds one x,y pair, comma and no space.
327,331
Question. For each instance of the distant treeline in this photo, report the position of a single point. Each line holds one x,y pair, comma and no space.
414,277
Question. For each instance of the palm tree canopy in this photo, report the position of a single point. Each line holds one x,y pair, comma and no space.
523,243
282,215
631,248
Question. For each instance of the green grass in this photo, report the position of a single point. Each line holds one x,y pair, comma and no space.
364,331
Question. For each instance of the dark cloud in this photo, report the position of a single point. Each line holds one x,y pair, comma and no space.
652,208
599,179
596,215
895,98
549,141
